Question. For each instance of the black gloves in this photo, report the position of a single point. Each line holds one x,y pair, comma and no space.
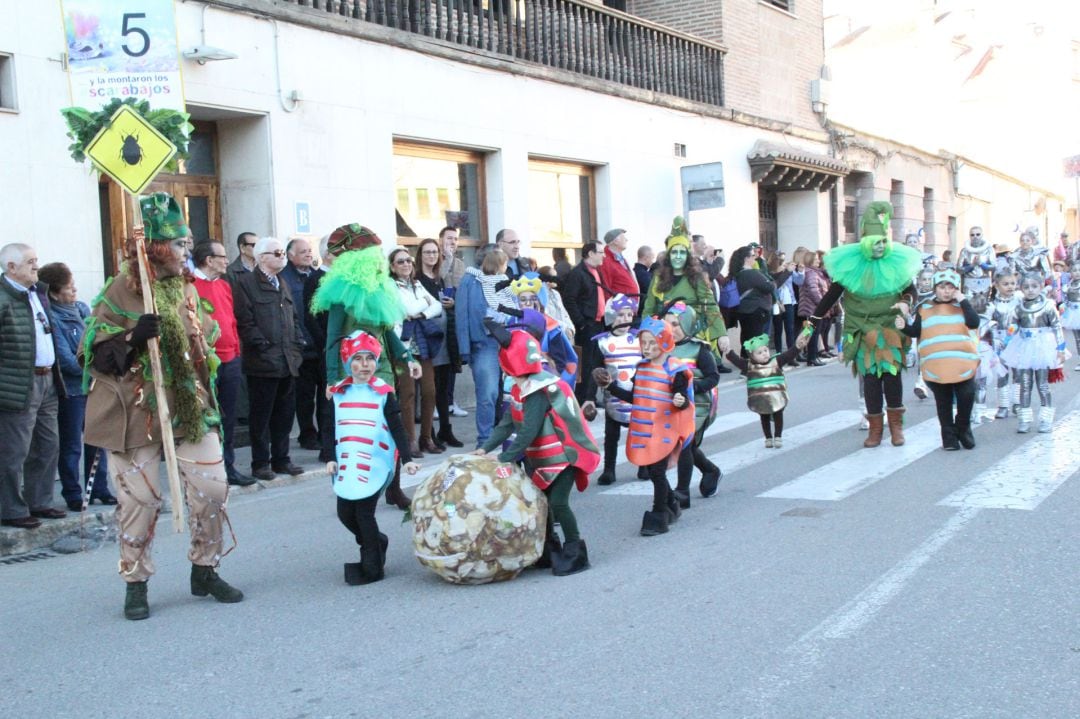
148,327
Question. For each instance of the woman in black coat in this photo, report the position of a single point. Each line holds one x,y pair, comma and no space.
756,294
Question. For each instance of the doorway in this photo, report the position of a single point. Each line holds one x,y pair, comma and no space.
196,187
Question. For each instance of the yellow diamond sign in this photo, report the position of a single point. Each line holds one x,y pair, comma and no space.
130,150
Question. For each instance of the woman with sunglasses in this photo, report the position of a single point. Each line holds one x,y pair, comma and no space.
447,361
422,332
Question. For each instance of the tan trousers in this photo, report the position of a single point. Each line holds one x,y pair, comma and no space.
135,481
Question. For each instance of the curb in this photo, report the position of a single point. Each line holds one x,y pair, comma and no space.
15,541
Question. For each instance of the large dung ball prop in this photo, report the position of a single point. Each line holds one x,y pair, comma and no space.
477,520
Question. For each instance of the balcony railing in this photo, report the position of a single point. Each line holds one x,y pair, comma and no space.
568,35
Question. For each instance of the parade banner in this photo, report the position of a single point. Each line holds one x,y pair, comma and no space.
122,49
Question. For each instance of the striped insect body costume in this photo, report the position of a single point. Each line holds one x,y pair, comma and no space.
659,429
621,357
948,350
366,453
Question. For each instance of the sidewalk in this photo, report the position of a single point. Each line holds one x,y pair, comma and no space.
98,524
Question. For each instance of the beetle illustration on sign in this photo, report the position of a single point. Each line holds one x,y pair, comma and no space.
131,151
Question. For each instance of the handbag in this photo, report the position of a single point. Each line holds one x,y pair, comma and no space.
425,335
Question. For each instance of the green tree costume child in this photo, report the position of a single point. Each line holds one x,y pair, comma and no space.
873,277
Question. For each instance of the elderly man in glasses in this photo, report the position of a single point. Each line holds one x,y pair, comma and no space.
29,387
271,351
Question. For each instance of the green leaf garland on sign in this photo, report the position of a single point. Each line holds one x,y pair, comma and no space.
84,125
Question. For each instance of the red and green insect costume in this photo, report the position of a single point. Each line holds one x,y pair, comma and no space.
558,446
564,440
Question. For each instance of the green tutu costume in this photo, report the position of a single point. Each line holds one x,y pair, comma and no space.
872,344
359,294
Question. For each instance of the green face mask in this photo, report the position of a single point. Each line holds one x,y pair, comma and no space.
874,247
677,256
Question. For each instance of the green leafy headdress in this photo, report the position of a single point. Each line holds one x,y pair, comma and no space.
755,342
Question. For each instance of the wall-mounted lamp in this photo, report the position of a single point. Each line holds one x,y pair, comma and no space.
205,53
821,90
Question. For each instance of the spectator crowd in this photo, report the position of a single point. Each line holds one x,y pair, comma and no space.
273,349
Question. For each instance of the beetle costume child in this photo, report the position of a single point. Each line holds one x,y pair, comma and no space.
553,341
558,446
619,348
661,418
948,359
357,293
766,386
697,355
369,437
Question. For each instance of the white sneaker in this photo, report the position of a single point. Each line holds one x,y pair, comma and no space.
458,411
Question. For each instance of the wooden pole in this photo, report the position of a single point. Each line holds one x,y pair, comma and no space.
168,444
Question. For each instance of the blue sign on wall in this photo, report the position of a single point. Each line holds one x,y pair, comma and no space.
303,217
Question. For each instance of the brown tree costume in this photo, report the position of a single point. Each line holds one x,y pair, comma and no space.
121,412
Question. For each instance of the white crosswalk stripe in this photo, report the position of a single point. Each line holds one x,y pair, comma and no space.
744,455
724,423
1010,483
863,467
1027,475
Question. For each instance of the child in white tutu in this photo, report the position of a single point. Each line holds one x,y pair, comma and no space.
1035,350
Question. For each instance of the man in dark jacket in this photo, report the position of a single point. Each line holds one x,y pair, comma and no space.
30,387
316,329
309,383
271,346
582,296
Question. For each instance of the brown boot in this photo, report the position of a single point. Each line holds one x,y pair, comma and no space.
896,424
877,426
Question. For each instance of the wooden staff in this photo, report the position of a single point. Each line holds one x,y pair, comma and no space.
154,350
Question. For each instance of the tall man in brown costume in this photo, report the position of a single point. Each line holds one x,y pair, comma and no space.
121,413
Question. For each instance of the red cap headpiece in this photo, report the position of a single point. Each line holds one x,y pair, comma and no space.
356,343
522,356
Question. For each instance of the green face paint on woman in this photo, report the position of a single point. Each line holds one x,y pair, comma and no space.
678,256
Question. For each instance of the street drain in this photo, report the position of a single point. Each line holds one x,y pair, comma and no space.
803,512
23,558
